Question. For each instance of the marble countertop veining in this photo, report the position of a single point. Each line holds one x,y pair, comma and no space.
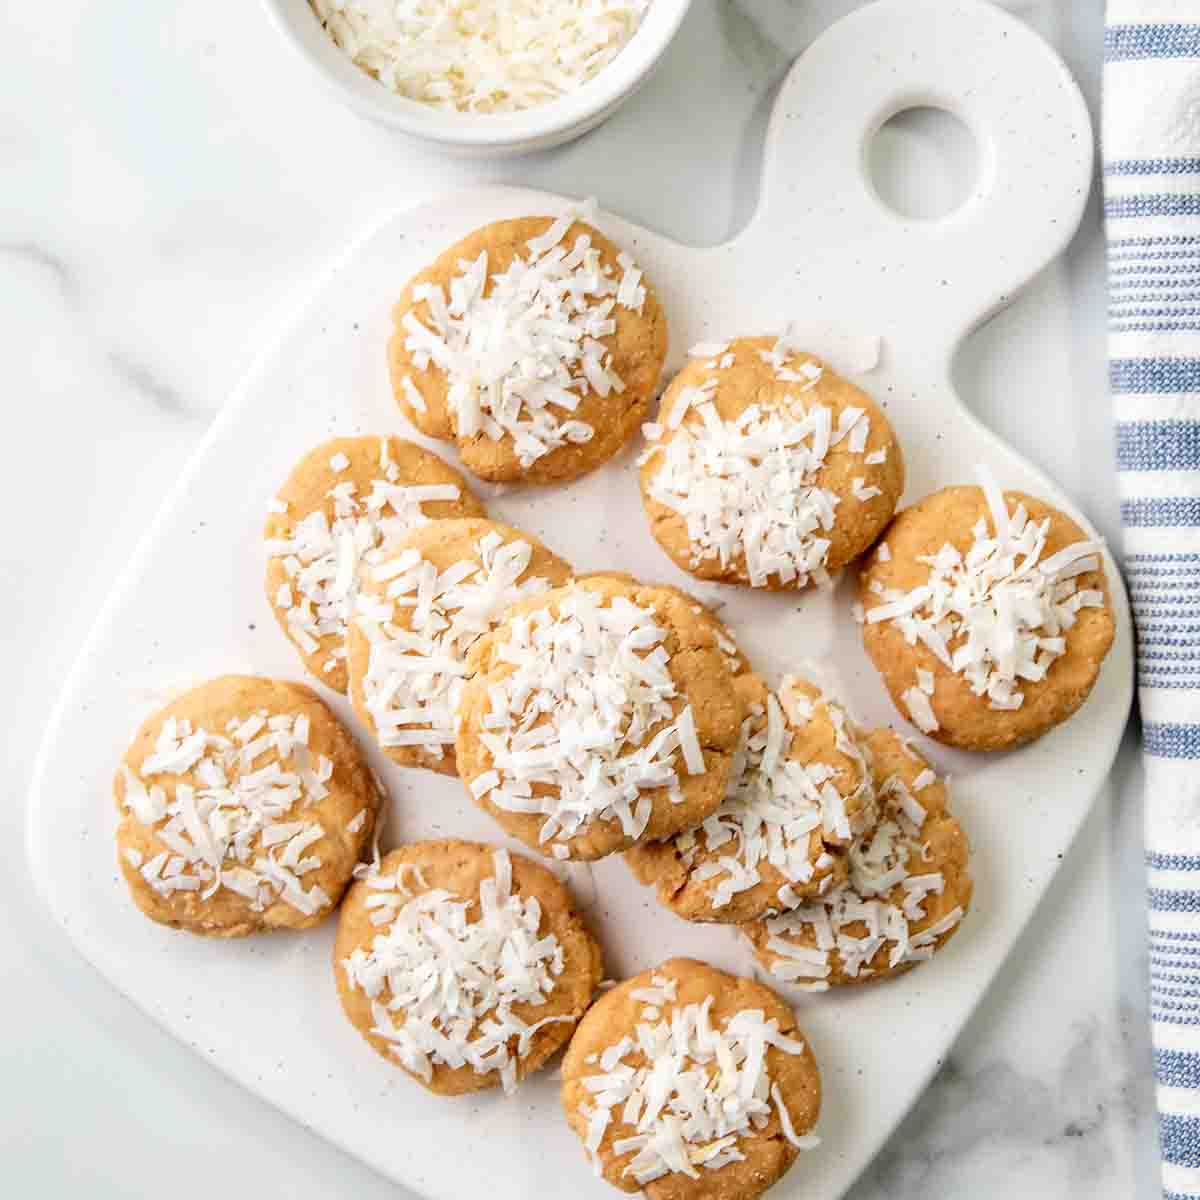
168,176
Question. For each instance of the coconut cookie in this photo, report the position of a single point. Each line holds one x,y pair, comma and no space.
599,715
799,790
691,1083
908,890
419,611
467,966
345,504
987,614
244,806
767,469
535,344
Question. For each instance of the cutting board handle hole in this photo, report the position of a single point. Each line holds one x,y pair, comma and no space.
923,162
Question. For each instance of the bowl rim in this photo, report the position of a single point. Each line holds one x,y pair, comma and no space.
593,101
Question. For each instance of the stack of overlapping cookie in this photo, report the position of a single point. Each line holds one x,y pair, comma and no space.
599,714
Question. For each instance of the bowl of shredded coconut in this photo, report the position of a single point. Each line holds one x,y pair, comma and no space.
482,76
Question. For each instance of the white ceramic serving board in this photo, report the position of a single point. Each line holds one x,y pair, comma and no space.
823,252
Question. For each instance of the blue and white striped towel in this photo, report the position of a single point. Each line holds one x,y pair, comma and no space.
1151,147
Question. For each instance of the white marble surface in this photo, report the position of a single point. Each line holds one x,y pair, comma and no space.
167,177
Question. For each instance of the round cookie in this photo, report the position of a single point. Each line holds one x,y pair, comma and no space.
767,469
799,790
244,805
347,503
535,344
983,642
908,890
438,590
598,715
720,1056
465,965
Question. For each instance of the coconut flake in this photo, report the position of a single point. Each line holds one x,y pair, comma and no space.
630,292
413,394
996,504
920,710
808,1141
693,756
683,401
864,353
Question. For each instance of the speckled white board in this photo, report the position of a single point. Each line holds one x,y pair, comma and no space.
822,252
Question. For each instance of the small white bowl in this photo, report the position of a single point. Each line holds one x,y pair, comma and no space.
535,128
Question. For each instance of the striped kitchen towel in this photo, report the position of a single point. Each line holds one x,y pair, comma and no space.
1151,144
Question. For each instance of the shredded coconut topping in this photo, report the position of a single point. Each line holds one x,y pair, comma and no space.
415,672
585,723
747,488
916,700
228,822
482,55
322,558
997,615
688,1090
873,910
777,810
521,347
445,973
